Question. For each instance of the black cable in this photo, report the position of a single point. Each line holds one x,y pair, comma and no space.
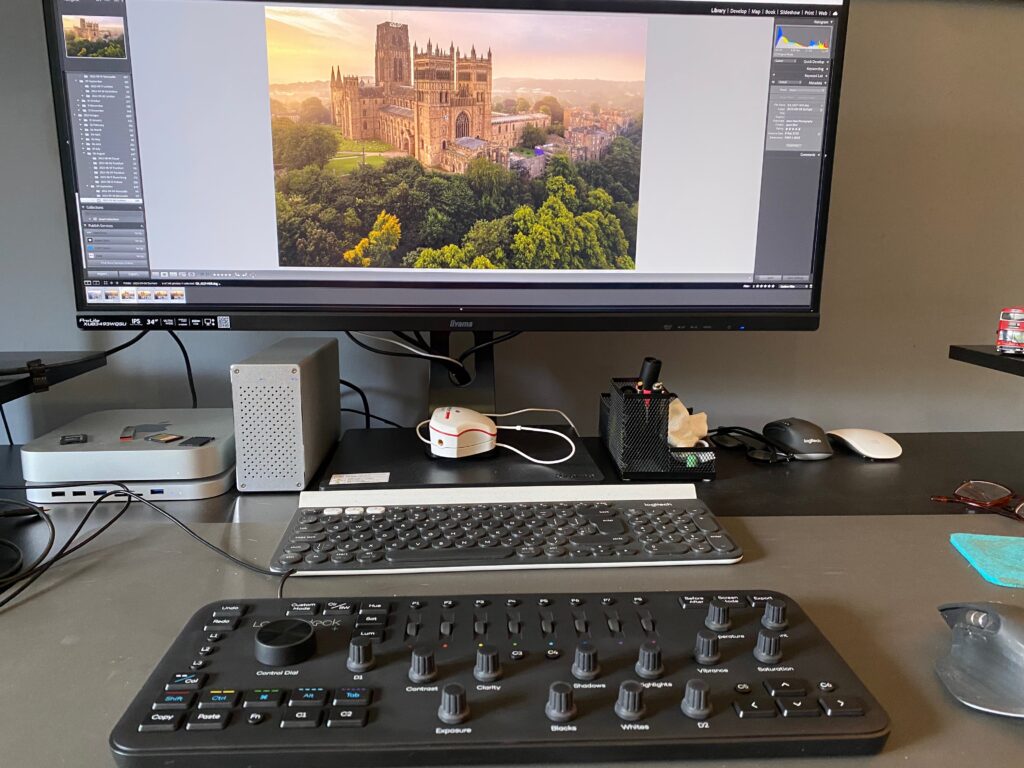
280,586
374,416
422,341
86,359
362,396
188,368
29,509
456,368
7,427
38,570
496,340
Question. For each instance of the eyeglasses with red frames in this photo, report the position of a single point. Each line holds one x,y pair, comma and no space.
988,497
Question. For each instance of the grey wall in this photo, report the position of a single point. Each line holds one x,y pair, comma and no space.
924,248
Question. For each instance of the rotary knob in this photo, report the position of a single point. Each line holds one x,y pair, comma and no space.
285,642
585,665
718,616
561,707
648,663
705,650
630,704
774,614
454,709
360,655
769,647
696,700
422,665
488,664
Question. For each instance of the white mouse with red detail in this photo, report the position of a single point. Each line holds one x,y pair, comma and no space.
459,432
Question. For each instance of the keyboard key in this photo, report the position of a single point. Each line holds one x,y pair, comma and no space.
191,681
225,699
754,707
156,722
802,707
785,686
262,698
220,625
721,542
308,697
301,718
419,556
336,608
345,717
207,721
172,701
352,697
229,611
842,706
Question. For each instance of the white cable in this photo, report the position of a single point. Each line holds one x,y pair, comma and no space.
420,434
408,348
535,410
519,428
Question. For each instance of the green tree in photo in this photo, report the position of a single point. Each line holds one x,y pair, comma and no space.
522,106
497,190
490,239
297,145
312,110
306,233
375,249
533,136
552,106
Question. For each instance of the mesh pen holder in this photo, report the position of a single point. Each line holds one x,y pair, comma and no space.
634,427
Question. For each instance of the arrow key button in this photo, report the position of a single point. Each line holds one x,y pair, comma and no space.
842,706
749,708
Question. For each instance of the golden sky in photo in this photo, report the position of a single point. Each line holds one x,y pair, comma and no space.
304,43
111,24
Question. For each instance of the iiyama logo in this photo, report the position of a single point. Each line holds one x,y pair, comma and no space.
812,440
460,323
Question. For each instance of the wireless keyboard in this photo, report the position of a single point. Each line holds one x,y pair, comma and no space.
485,679
515,528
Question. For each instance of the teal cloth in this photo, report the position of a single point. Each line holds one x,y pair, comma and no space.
999,559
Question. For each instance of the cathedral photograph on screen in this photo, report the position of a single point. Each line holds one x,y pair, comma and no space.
517,147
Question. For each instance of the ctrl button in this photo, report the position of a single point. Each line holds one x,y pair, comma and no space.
346,717
207,721
156,722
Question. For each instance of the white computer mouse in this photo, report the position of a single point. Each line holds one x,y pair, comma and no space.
868,443
459,432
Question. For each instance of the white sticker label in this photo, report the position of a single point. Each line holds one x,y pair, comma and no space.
361,478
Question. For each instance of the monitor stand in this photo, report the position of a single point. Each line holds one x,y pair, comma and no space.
396,458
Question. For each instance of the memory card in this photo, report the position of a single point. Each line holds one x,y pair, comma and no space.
195,442
164,437
73,439
128,433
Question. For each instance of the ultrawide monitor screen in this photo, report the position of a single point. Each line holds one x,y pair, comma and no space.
640,162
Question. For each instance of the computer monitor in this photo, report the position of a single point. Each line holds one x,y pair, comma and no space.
462,164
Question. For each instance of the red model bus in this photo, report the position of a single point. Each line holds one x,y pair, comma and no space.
1010,338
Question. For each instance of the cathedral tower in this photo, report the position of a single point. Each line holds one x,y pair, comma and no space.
472,109
392,62
435,79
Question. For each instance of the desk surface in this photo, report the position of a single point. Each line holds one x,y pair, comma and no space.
78,647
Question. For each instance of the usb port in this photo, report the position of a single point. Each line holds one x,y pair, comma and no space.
57,494
98,493
156,491
78,493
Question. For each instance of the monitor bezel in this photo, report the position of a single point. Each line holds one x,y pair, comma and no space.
483,317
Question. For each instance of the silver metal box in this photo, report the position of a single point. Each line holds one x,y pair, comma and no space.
286,404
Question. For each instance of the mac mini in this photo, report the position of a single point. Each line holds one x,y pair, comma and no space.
170,454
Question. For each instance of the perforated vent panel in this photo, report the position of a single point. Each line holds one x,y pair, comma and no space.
268,436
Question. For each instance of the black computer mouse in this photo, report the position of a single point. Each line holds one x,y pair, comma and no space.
985,665
801,439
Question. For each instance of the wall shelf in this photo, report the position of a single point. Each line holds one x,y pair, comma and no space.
987,357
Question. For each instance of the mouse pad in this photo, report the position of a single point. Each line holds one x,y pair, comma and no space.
999,559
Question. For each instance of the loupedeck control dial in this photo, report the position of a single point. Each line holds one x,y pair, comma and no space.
422,665
696,700
285,642
561,706
630,704
648,664
585,665
488,664
454,709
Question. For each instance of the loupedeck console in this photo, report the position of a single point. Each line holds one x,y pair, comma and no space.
498,679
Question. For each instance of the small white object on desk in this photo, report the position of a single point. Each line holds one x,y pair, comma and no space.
868,443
